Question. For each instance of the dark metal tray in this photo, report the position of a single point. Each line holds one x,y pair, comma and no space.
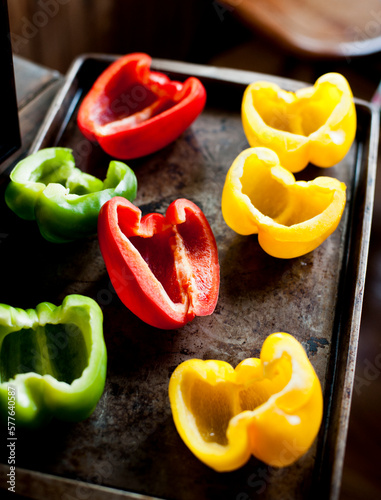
129,447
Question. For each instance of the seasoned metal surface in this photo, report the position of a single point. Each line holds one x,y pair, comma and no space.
130,442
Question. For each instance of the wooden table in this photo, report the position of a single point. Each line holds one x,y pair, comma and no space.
322,28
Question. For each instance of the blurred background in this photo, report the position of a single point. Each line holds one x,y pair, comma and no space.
299,39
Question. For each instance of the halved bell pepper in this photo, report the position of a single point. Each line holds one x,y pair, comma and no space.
291,218
269,407
164,268
132,111
315,124
53,359
47,187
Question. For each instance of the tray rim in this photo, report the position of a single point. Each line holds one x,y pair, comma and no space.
244,77
351,322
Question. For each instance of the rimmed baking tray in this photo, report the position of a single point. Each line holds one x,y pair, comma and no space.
129,447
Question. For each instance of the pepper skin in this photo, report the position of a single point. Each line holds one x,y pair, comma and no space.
291,218
132,111
164,268
269,407
315,124
64,201
53,359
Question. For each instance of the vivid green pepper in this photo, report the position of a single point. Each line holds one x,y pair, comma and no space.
47,187
52,361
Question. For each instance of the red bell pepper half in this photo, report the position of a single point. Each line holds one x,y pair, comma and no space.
164,268
132,111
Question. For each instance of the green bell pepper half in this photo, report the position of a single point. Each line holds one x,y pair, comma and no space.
53,361
47,187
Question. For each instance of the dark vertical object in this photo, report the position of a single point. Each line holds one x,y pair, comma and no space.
9,124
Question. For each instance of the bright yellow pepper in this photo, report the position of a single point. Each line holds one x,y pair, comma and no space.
269,407
291,218
315,124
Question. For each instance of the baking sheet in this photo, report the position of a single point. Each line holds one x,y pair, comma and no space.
129,447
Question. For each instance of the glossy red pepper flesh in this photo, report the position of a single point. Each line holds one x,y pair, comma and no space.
164,268
132,111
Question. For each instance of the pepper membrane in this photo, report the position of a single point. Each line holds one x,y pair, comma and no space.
164,268
270,407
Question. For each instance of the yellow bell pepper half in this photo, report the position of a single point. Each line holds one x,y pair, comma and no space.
290,217
315,124
269,407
